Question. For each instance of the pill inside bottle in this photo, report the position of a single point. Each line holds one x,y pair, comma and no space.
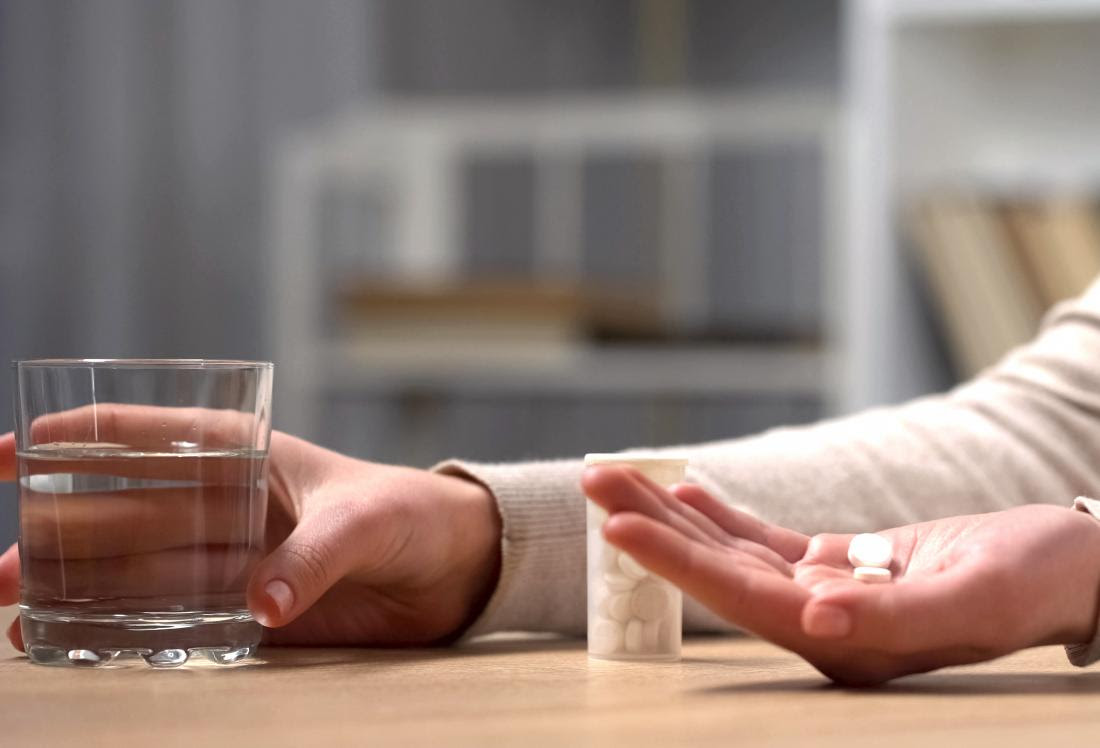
633,614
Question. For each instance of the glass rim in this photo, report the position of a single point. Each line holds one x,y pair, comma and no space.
141,363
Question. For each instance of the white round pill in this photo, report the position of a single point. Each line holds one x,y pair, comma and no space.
633,636
616,606
609,558
649,602
606,637
630,567
651,636
618,582
873,574
868,549
668,636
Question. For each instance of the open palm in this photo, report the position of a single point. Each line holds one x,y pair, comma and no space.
965,588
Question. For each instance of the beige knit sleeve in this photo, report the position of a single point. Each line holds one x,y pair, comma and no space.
1024,431
542,571
541,585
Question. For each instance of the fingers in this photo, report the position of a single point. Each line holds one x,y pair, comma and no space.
745,592
324,547
135,521
15,635
200,574
9,576
217,469
619,489
825,566
909,616
789,544
829,548
147,427
671,504
7,456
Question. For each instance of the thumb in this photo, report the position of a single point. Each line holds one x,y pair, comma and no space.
907,616
316,555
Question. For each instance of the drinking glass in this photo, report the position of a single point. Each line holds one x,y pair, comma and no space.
142,504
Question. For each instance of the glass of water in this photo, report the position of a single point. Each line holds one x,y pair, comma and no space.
142,504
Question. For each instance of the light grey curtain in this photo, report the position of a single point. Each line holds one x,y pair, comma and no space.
134,141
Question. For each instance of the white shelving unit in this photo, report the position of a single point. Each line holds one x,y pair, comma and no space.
1000,94
412,150
955,12
618,369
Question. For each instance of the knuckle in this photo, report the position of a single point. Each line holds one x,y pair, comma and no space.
312,560
352,512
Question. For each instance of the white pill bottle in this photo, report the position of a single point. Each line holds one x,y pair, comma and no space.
632,613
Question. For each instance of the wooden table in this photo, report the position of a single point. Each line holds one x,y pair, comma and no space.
726,691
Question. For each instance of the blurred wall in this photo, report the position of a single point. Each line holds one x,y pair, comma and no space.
133,142
134,135
525,46
132,148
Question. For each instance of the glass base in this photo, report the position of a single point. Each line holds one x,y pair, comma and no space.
159,640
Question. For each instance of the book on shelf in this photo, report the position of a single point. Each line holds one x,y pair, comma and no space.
488,323
994,266
1059,241
986,299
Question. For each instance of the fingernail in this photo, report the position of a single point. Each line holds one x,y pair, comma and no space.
281,596
828,622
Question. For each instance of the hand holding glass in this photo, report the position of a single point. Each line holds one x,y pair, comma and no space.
143,491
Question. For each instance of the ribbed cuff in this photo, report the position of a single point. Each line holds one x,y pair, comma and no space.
542,563
542,556
1086,654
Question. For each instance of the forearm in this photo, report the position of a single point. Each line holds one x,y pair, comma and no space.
1021,433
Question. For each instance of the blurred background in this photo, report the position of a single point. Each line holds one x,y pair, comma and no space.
508,229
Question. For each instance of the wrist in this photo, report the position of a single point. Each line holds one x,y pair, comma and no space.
476,538
1080,622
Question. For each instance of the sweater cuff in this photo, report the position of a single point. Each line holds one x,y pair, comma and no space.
1088,653
542,560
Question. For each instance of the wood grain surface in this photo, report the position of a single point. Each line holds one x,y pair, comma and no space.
533,692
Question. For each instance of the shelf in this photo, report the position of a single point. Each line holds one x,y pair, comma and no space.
932,12
414,153
611,370
564,122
